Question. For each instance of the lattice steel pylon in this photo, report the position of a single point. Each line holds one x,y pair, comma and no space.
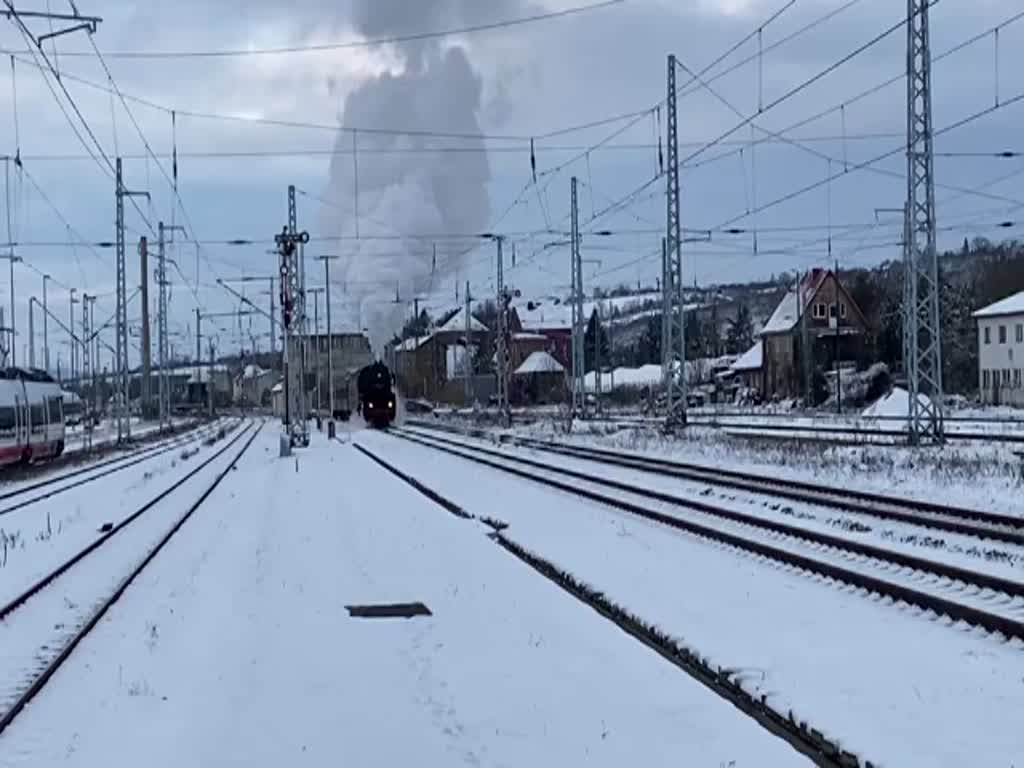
673,349
293,317
578,334
921,321
121,374
504,363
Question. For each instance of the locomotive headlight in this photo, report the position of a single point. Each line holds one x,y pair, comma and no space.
369,405
390,404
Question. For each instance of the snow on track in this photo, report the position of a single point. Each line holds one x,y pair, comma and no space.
51,530
35,633
1003,599
999,559
234,648
887,682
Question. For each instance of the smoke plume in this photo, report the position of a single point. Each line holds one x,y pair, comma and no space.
402,191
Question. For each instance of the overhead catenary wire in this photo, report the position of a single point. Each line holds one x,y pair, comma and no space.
250,52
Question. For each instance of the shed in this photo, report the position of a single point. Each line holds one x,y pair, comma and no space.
540,379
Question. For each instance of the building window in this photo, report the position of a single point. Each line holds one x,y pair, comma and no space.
842,310
1020,333
1006,377
1016,378
988,335
985,379
1002,334
819,311
832,310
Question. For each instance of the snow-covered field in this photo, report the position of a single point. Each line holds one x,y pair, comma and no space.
234,647
891,684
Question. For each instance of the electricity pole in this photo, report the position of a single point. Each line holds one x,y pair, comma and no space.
86,373
46,328
71,340
504,298
673,310
327,259
316,335
467,362
31,332
578,391
162,343
121,373
921,324
147,360
11,258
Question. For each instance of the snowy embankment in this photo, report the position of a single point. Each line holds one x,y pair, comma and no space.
234,648
36,538
977,475
884,680
1000,559
35,633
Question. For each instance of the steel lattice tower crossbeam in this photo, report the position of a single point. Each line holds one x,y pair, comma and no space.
921,322
578,334
673,350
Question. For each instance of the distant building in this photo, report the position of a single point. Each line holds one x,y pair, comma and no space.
749,368
1001,351
349,352
818,315
253,385
539,379
433,366
551,319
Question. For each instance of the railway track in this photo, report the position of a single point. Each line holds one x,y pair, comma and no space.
943,517
40,628
99,450
812,742
980,599
66,481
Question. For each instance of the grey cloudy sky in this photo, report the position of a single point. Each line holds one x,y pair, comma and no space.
520,81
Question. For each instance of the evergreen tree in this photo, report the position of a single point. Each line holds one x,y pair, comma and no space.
649,348
595,329
741,332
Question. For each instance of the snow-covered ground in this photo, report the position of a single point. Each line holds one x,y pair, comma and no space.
36,538
106,433
891,684
234,647
978,475
1000,559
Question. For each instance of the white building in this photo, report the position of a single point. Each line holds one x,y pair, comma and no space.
1001,351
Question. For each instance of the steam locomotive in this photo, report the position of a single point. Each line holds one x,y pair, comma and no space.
376,395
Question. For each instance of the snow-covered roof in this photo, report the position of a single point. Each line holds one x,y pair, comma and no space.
751,360
252,372
413,343
525,336
1011,305
279,387
789,310
539,362
458,323
545,316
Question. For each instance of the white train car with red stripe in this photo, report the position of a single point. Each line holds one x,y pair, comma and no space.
31,416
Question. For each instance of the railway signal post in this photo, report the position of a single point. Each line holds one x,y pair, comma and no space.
293,313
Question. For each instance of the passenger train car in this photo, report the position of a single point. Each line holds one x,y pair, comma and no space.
31,416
